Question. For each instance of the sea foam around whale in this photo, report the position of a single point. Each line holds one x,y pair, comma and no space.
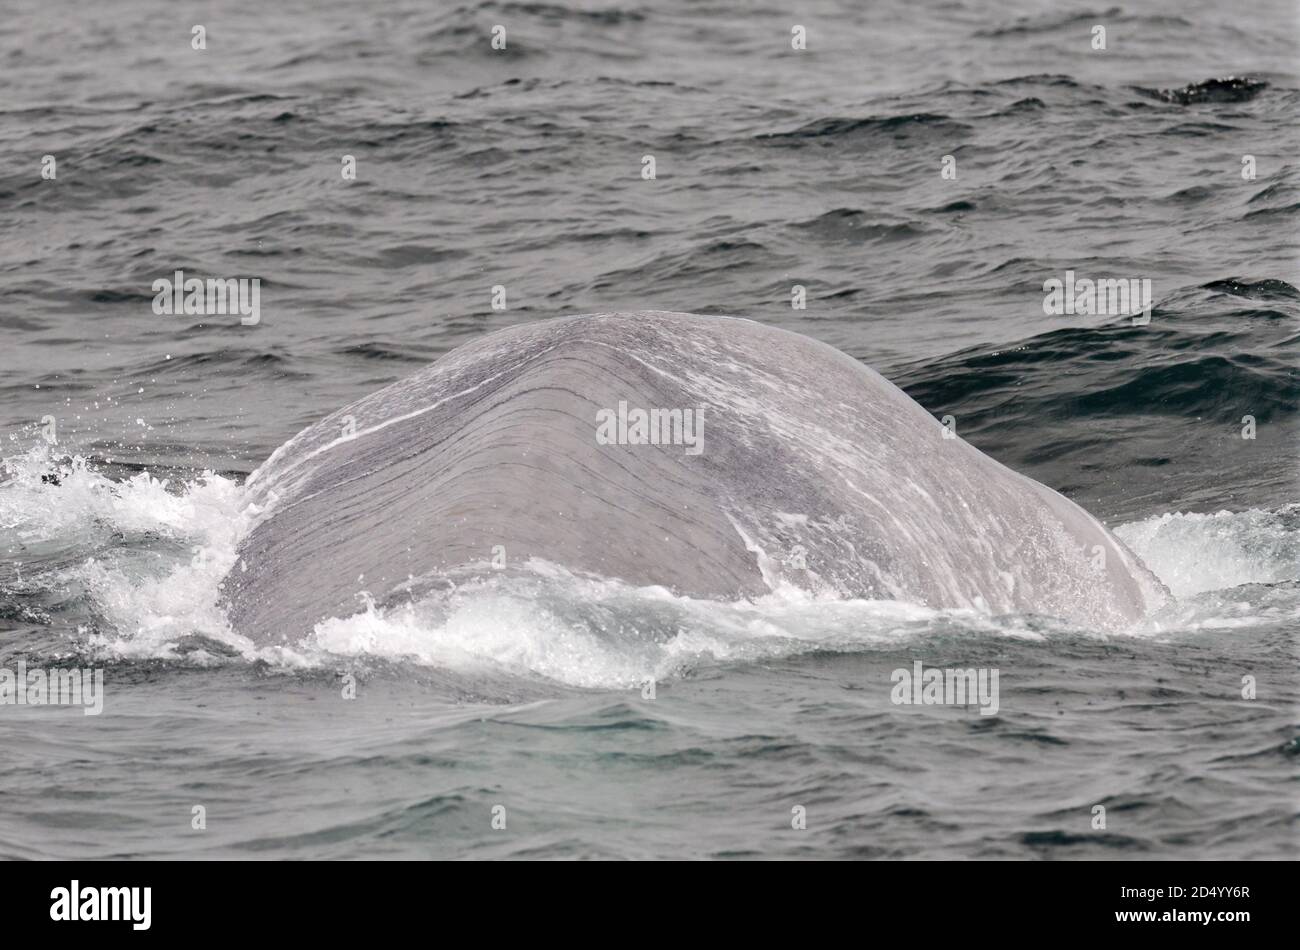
146,557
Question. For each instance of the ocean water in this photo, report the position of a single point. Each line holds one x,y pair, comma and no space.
524,699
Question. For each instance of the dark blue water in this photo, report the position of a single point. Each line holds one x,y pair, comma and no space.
522,168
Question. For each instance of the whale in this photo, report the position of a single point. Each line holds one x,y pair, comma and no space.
713,456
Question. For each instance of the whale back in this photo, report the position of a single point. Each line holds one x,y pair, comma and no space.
803,467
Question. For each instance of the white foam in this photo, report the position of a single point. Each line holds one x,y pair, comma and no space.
153,553
602,633
151,556
1194,553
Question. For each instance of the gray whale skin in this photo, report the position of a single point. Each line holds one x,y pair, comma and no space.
805,468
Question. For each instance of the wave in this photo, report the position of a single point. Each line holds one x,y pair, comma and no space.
857,226
895,127
1193,553
1228,89
1055,22
1158,367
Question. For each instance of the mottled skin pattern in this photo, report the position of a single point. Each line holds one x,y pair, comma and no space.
814,471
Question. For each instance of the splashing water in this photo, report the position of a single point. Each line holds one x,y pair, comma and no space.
146,557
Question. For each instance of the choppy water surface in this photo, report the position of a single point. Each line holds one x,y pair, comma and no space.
522,168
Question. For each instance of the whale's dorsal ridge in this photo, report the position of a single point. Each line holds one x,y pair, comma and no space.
791,463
